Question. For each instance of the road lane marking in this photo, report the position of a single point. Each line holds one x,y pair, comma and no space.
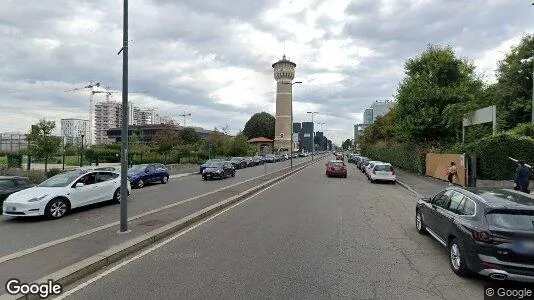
106,226
163,243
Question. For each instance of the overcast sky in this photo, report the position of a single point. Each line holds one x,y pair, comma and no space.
213,58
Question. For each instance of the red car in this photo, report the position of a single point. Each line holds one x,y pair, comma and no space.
336,168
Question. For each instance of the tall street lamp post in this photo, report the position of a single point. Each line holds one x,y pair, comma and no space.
313,131
292,132
81,152
124,129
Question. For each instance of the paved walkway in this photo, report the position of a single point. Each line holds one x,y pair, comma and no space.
423,186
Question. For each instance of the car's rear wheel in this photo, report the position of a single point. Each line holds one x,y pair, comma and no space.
233,173
56,208
457,259
419,224
204,178
140,183
165,179
117,196
372,180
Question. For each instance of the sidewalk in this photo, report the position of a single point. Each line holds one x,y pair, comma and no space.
422,186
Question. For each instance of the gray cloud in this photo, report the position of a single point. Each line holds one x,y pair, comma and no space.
50,46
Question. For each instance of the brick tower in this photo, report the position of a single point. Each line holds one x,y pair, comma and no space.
284,73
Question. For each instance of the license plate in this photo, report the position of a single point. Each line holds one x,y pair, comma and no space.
384,173
11,209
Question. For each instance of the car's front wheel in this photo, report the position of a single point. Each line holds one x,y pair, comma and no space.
457,259
419,225
140,183
165,179
56,208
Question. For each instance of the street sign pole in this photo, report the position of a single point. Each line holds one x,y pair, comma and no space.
124,131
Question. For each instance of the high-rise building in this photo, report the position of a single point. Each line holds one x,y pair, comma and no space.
368,116
306,136
381,108
297,127
73,130
108,115
284,73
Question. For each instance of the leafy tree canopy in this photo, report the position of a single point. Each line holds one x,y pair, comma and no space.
260,125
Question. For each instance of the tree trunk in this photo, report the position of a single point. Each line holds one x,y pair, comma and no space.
46,164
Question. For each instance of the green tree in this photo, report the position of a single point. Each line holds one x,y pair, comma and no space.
166,140
513,90
220,143
346,144
260,125
189,136
382,129
240,146
434,80
42,144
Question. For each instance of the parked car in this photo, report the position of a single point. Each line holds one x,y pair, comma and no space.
219,170
207,163
270,158
250,162
487,231
238,162
383,172
140,175
12,184
336,168
364,164
369,167
258,160
360,161
111,169
57,195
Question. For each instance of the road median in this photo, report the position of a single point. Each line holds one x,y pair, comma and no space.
73,260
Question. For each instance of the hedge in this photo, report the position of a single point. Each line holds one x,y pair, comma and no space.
407,158
493,152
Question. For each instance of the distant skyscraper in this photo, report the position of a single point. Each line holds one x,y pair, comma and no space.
73,129
380,108
284,73
368,116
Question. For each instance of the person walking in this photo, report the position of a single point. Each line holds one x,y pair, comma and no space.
451,172
521,177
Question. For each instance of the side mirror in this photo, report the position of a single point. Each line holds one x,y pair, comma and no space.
80,184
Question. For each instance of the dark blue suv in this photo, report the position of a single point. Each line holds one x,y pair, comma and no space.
140,175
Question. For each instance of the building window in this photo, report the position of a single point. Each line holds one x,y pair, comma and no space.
281,135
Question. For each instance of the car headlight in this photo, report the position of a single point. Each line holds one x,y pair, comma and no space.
218,171
37,198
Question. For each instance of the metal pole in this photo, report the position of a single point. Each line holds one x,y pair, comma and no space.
532,91
81,154
313,136
124,129
291,147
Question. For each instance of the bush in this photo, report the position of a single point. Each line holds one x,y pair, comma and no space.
35,176
14,160
525,129
53,172
493,152
404,157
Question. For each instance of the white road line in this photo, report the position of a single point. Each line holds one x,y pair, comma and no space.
102,227
163,243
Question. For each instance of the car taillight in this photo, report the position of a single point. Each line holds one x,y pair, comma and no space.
486,237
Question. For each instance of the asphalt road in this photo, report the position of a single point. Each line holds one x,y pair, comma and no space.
307,237
22,233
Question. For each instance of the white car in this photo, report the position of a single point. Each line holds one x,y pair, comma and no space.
369,167
54,197
383,172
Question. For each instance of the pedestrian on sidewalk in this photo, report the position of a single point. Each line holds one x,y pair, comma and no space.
451,172
521,177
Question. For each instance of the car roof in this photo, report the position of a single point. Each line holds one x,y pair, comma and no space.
382,163
336,161
499,198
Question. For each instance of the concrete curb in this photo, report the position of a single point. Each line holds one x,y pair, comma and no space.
182,175
409,188
88,266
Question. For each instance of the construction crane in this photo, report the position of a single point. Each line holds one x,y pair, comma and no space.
91,86
185,115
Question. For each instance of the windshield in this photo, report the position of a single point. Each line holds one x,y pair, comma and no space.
137,168
515,221
216,165
60,180
383,168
